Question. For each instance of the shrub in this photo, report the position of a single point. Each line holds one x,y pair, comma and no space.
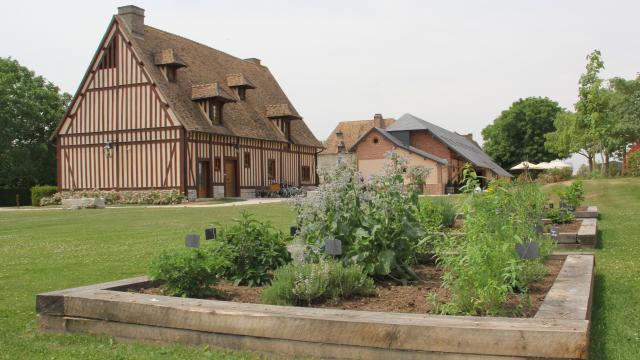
304,284
39,192
149,197
555,175
437,214
483,268
377,221
634,164
190,272
258,250
573,194
560,216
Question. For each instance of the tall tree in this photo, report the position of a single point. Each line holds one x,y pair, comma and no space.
626,109
30,107
518,133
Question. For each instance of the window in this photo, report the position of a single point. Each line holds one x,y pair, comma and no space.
306,173
375,140
172,73
341,148
242,93
247,159
217,164
271,169
212,110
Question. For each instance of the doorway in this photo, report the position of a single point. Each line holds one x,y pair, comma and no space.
230,178
204,179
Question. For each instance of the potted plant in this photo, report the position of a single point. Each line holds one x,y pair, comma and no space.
450,188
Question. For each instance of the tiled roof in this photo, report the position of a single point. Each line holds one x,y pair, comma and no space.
465,147
205,65
348,132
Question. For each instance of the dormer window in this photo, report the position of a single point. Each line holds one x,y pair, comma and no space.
169,63
211,99
341,147
281,116
240,84
339,134
212,110
171,73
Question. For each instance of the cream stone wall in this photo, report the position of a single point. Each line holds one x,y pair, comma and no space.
373,166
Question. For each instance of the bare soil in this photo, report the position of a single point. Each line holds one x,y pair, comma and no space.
571,227
394,297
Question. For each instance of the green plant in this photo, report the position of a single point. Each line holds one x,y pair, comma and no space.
560,216
377,221
190,272
112,197
634,164
573,194
304,284
483,268
470,179
39,192
437,213
257,247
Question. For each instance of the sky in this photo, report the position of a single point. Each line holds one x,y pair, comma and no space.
457,64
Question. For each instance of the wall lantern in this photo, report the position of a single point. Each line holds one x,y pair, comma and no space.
108,148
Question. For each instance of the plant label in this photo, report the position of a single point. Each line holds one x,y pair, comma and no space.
555,231
192,240
210,234
538,228
294,230
333,247
528,250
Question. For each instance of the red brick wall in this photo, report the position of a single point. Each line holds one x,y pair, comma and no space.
423,140
368,150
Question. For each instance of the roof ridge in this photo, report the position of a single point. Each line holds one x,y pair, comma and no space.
204,45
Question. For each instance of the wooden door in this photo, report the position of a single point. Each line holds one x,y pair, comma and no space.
204,179
230,178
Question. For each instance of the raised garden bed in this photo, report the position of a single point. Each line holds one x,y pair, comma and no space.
391,296
578,233
587,212
558,330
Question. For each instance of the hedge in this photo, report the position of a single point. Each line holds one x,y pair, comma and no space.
39,192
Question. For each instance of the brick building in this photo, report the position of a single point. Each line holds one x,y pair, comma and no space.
425,144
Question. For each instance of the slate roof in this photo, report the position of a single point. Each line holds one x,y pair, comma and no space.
205,65
397,142
465,147
351,131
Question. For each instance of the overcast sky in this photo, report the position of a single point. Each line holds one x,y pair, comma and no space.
456,64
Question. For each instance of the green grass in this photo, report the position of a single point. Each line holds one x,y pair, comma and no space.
615,330
50,250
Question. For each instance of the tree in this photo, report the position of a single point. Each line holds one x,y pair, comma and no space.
593,114
30,108
626,107
566,139
518,133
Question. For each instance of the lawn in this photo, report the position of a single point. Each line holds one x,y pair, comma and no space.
50,250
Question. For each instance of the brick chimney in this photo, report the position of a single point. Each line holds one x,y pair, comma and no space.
133,16
254,60
378,121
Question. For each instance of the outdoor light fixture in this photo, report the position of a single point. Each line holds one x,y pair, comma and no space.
108,148
294,230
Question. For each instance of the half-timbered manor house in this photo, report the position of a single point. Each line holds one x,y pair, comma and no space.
158,111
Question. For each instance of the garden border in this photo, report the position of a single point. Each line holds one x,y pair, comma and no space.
590,213
559,330
587,235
